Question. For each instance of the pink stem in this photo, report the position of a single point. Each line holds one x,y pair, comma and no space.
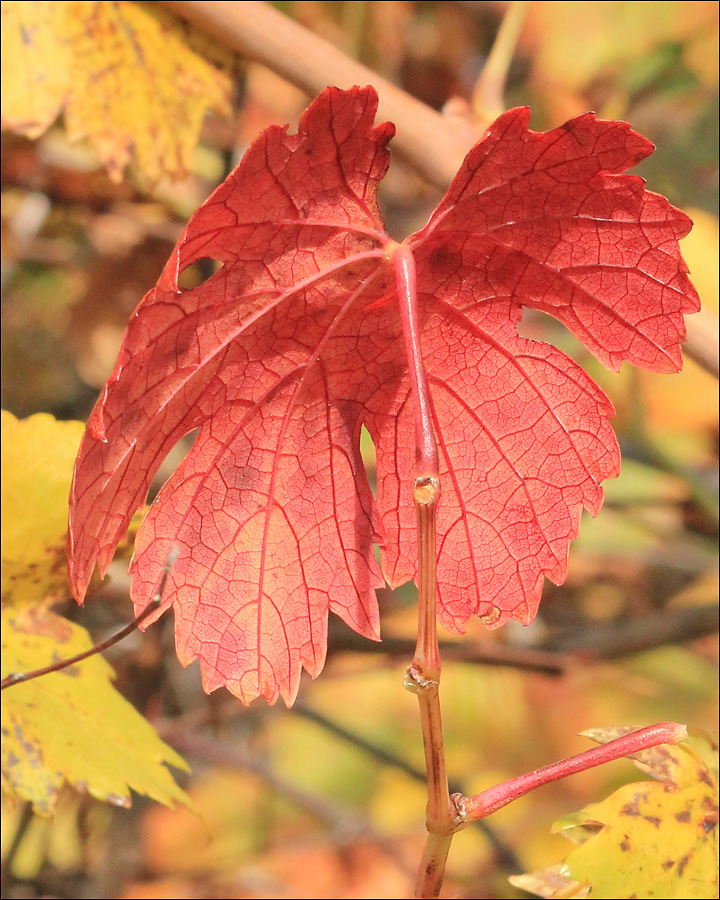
426,451
423,676
487,802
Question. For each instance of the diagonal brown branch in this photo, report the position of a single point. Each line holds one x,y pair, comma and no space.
435,145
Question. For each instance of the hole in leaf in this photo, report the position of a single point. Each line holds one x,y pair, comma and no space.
172,461
198,273
537,325
369,458
534,325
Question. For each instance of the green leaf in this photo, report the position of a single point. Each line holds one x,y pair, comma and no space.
73,726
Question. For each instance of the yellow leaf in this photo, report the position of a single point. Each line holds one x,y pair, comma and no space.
122,72
37,462
73,726
38,454
655,839
648,839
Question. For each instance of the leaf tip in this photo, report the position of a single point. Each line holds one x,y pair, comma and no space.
676,733
662,733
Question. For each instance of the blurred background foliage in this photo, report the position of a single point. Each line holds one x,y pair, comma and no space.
324,800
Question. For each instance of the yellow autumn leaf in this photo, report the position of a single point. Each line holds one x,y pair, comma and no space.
73,726
648,839
38,454
37,463
123,73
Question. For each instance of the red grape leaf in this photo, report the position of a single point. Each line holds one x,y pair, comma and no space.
296,341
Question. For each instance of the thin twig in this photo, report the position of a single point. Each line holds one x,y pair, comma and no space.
357,740
487,98
616,640
540,661
331,815
430,142
21,677
423,676
701,344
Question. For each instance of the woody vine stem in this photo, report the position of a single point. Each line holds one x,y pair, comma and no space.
423,676
446,813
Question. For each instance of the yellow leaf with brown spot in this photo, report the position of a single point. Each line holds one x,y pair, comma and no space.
73,726
123,73
648,839
37,463
655,839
